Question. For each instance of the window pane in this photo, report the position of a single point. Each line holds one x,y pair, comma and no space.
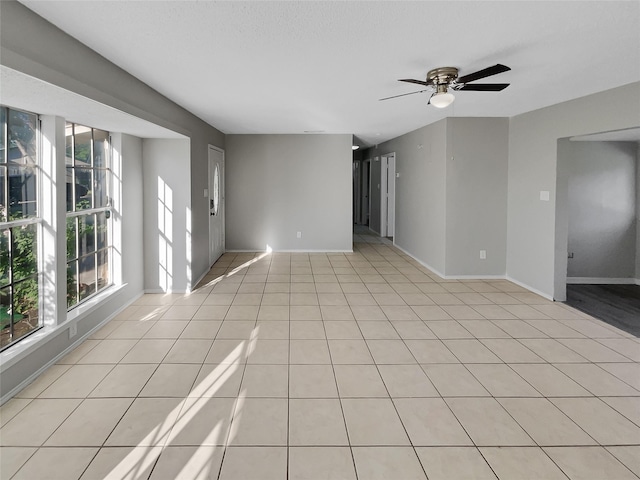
3,141
22,192
5,316
86,235
103,269
72,284
22,137
24,256
69,189
3,190
100,148
101,189
72,238
5,244
26,301
87,276
82,144
102,233
69,144
83,188
216,190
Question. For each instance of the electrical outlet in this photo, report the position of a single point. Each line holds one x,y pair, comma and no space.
299,235
570,255
483,254
73,329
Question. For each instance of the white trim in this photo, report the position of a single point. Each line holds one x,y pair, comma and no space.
36,340
475,277
530,288
637,281
201,278
290,251
167,292
14,391
601,281
80,310
440,274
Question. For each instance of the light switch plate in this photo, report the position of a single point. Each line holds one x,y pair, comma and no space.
544,195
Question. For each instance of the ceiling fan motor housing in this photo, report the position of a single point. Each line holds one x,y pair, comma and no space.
442,76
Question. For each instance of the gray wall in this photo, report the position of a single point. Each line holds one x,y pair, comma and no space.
420,192
278,185
477,158
133,214
532,233
602,209
167,212
30,44
450,195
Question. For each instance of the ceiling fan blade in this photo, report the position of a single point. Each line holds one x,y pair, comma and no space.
487,72
484,87
419,82
403,94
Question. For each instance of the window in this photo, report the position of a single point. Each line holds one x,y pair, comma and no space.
216,189
88,212
19,226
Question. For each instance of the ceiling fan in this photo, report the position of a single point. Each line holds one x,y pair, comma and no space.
442,79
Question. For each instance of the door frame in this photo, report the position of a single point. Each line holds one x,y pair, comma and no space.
221,207
385,167
366,191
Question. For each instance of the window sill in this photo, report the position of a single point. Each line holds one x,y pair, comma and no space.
25,347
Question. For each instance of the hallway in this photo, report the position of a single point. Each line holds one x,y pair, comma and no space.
308,366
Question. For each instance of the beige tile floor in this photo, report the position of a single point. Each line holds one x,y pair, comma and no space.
331,366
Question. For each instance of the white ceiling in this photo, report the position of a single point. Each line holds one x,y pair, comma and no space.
291,67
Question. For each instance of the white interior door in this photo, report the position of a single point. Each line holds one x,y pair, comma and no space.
216,203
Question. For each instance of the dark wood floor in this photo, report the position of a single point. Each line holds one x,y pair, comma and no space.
618,305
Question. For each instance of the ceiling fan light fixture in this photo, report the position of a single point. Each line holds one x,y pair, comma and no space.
442,100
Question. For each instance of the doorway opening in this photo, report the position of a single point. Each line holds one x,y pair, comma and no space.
597,265
361,192
216,204
387,195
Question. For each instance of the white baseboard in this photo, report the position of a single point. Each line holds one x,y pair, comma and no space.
14,391
290,251
601,281
530,288
452,277
424,264
475,277
170,292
